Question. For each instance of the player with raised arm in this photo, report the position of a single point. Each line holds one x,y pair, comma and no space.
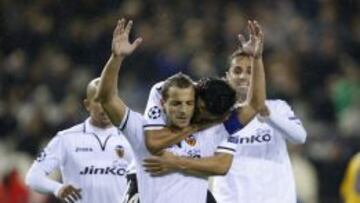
250,100
92,157
179,101
261,170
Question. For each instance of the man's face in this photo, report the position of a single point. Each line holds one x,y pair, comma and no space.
98,117
179,106
202,114
239,74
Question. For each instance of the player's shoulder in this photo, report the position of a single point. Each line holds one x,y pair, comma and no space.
158,86
277,103
218,130
133,116
76,129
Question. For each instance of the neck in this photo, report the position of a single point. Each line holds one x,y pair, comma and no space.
172,126
99,124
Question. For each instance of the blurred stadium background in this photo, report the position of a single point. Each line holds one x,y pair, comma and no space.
51,49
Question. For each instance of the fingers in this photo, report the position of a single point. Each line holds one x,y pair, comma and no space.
136,43
69,200
119,27
71,194
128,27
241,39
76,194
155,170
259,31
152,165
159,173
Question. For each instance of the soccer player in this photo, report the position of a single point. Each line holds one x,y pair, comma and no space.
92,157
215,97
248,105
178,94
261,170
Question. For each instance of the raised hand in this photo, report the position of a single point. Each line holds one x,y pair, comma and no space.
120,44
69,194
254,46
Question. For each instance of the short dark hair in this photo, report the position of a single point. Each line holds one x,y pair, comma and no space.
179,80
217,95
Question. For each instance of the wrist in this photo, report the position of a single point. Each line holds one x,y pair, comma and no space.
117,56
57,190
258,56
263,114
264,111
180,164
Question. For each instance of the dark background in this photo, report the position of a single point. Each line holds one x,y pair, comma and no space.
51,49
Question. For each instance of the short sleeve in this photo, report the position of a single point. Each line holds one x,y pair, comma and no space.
132,127
154,113
52,156
228,143
230,127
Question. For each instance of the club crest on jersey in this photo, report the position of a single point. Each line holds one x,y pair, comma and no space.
190,140
154,112
120,151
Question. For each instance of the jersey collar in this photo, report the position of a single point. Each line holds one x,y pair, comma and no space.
89,128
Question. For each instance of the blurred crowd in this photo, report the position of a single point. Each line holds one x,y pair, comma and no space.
51,49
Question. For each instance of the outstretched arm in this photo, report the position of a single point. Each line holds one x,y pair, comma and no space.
219,164
107,94
160,139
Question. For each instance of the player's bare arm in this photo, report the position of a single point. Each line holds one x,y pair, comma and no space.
108,91
254,48
219,164
158,140
257,43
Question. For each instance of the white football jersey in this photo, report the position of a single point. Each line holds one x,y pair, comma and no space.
154,114
261,171
90,158
174,187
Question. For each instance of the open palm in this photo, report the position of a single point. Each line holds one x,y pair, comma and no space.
254,46
120,43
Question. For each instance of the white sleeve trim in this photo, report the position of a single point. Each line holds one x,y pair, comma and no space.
153,126
125,119
227,150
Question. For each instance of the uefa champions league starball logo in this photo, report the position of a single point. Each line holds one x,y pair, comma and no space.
154,112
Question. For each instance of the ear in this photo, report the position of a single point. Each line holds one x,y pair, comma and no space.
86,103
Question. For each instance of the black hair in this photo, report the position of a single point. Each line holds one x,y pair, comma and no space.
217,95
